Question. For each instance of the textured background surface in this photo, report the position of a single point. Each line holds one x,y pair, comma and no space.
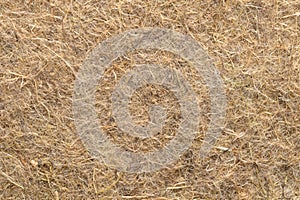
255,46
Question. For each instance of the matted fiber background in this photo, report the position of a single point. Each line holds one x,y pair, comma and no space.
254,44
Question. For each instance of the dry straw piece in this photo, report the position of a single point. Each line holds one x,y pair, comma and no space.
253,44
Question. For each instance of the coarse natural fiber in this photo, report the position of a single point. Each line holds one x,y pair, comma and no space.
254,44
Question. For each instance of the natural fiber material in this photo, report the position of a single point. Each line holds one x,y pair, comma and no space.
254,45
